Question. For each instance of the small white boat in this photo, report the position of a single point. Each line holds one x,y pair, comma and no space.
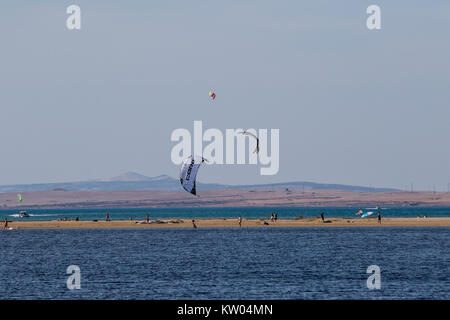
23,214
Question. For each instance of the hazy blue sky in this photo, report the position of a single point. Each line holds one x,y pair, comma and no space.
353,106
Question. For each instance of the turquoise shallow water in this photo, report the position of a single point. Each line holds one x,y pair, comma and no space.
227,263
163,213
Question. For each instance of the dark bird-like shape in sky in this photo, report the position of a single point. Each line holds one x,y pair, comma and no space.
245,132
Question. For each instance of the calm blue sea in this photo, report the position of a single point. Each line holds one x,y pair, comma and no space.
227,263
262,212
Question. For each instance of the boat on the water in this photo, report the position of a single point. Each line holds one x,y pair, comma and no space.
23,214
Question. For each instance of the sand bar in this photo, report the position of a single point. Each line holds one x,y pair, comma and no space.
223,223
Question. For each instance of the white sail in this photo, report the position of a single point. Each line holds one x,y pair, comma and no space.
188,173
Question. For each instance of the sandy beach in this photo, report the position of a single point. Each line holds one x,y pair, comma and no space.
224,223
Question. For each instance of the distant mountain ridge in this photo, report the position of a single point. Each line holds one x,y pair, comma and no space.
136,181
133,176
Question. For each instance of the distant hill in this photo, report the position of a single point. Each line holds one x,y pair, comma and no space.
134,177
315,186
136,181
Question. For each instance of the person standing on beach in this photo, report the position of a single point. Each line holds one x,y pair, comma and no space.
379,217
107,216
6,224
322,216
193,224
240,221
148,218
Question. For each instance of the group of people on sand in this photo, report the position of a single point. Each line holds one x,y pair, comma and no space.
194,225
273,216
68,219
147,218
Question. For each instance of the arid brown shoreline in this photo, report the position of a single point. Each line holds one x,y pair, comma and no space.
222,198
